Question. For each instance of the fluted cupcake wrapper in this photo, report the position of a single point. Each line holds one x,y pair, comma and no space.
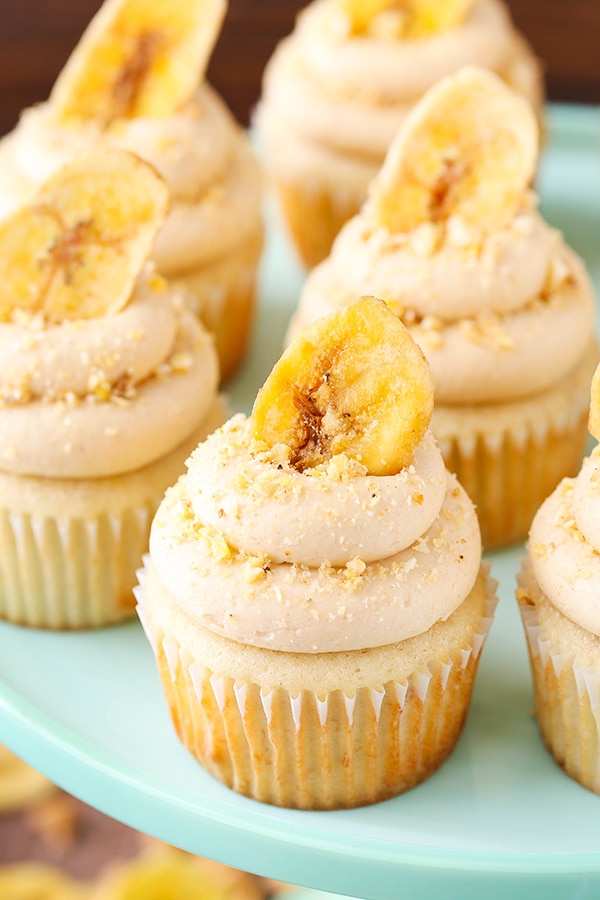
71,572
318,750
566,688
70,549
314,214
222,294
510,457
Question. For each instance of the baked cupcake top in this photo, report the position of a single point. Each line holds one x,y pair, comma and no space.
136,80
326,521
451,238
102,369
351,70
564,540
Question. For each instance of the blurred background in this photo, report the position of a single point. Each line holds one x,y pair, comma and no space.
36,37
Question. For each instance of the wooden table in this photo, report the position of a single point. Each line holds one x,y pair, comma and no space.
36,37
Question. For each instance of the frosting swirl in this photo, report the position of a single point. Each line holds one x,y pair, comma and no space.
241,544
200,151
350,94
515,306
88,398
564,546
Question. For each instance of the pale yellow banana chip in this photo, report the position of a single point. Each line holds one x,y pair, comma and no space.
138,58
173,874
594,420
37,881
20,785
76,250
469,149
415,18
352,383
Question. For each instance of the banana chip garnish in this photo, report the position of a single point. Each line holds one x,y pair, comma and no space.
352,383
594,419
411,18
468,149
76,250
138,58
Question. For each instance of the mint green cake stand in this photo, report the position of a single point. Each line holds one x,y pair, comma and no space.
498,820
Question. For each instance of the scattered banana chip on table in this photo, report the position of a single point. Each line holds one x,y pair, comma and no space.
77,248
20,785
138,58
352,383
416,18
469,149
36,881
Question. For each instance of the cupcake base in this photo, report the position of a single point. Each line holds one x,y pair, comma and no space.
222,293
565,667
315,214
317,731
70,548
510,456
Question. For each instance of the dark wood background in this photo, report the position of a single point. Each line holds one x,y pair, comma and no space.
36,37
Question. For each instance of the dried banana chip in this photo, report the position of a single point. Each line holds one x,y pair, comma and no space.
352,383
469,149
76,250
414,18
138,58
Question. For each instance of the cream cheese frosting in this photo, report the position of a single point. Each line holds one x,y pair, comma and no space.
515,306
103,396
564,546
200,151
332,93
241,544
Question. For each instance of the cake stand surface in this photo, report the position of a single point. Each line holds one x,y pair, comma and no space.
498,820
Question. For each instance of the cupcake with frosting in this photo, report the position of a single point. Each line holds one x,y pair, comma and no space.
338,88
558,599
136,80
107,382
504,310
314,591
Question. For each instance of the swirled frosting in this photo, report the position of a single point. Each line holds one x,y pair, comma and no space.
200,151
564,546
324,560
326,91
515,306
102,396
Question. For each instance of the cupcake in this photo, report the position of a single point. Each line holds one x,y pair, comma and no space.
558,600
451,238
338,88
314,591
107,382
136,80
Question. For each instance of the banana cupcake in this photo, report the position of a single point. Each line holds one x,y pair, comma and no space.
558,596
338,88
451,238
136,80
107,382
314,592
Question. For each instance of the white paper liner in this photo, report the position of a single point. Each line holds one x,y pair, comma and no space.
71,572
222,294
319,751
566,689
78,570
510,457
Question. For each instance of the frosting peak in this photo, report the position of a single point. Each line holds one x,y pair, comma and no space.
320,562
